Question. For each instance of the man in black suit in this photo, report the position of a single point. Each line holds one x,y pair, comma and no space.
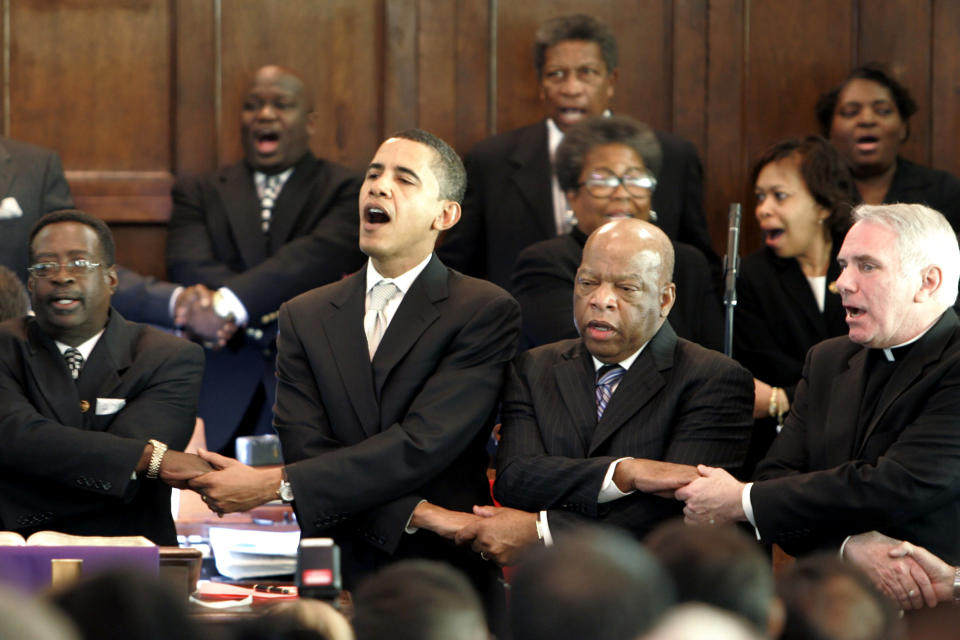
90,401
258,233
871,441
513,198
384,440
594,427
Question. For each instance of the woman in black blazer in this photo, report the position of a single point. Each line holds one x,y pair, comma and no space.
787,299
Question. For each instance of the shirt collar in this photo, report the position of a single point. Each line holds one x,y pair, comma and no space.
625,363
260,178
404,281
888,351
85,349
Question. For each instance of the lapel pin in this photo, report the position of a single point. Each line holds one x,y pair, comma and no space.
84,406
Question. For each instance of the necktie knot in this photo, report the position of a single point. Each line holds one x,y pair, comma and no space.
607,378
381,294
74,361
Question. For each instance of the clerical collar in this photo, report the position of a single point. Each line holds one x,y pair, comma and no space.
901,349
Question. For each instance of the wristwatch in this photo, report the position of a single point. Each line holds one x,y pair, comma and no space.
285,490
220,306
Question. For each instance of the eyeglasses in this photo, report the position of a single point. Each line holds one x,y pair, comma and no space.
78,267
602,183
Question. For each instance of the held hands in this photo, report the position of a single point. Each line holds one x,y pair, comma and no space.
940,573
178,468
906,573
653,476
233,486
193,310
713,498
497,533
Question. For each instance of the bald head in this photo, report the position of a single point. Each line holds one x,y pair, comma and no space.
623,290
277,120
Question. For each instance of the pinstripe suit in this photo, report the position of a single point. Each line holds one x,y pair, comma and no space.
678,402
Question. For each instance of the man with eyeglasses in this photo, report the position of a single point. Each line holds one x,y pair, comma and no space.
513,196
604,427
94,407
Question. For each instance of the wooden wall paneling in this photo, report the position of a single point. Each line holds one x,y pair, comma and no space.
195,125
689,73
437,64
472,81
332,45
103,103
898,33
644,40
400,67
724,156
945,86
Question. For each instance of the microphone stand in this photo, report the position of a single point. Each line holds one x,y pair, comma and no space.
731,263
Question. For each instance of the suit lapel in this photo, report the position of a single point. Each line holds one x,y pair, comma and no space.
349,346
416,312
839,439
51,377
238,195
575,378
642,382
532,175
108,361
291,203
928,349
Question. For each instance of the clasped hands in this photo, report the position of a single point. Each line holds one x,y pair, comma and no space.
226,485
193,311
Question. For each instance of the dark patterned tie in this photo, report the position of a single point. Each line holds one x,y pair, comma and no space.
607,378
74,362
268,197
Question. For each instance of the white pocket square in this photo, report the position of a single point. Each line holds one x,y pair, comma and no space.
10,208
108,406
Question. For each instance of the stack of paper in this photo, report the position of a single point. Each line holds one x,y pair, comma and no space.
244,553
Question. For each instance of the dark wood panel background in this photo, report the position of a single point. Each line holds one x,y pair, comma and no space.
133,93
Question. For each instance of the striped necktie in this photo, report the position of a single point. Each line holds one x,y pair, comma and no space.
74,362
268,198
607,378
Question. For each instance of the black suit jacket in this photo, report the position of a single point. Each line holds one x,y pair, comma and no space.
819,483
34,178
937,189
777,318
365,442
678,402
543,285
69,469
509,201
214,238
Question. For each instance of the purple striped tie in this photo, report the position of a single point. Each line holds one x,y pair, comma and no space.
607,378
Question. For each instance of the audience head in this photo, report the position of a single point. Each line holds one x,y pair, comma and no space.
867,118
719,566
697,621
607,168
303,619
14,302
411,192
23,618
830,599
804,194
276,120
900,266
123,604
593,583
72,274
576,61
418,600
622,291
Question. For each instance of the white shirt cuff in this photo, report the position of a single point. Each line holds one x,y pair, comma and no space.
609,491
172,305
748,507
408,528
236,307
545,530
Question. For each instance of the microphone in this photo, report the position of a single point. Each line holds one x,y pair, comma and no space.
731,263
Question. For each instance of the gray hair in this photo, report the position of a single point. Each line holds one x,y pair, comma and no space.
924,238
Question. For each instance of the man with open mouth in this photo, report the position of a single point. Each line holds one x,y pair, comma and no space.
871,443
256,234
513,196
